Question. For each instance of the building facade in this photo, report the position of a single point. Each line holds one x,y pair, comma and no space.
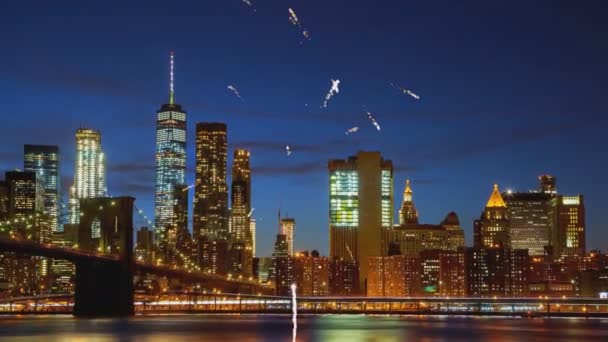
171,139
210,216
44,160
567,215
360,208
529,222
492,229
89,171
288,228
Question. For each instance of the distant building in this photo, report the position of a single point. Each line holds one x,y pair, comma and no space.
89,172
567,215
393,276
240,216
496,272
343,277
144,245
311,274
452,274
529,222
548,184
252,229
408,213
415,238
492,229
282,266
171,140
210,189
262,269
288,228
212,255
360,208
44,160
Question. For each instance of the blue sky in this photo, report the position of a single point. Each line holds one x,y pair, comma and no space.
509,90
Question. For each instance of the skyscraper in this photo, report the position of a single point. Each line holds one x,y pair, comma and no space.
408,213
170,160
240,198
567,215
360,208
288,228
89,171
210,190
529,220
493,226
44,160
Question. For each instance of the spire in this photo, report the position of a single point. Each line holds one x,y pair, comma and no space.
171,90
407,193
496,200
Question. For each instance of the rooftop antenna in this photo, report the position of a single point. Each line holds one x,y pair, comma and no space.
171,90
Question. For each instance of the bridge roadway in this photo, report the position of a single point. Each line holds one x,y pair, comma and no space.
220,303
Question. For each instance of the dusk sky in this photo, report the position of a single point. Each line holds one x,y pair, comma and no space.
509,90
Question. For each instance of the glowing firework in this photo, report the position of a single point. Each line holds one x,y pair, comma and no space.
235,91
335,89
373,121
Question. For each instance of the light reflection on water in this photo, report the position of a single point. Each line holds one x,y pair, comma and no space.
255,328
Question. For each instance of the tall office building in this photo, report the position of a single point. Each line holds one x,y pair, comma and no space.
288,228
240,198
252,229
44,160
360,208
408,213
529,222
567,215
210,190
492,229
89,171
25,208
170,160
282,266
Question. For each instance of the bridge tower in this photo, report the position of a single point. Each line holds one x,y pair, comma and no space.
105,288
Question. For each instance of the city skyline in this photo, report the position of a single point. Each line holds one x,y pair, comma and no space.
445,178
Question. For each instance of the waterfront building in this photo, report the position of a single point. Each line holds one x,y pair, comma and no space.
567,236
311,273
360,208
529,222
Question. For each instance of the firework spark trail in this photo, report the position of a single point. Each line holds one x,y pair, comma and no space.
288,150
335,89
295,21
374,122
405,91
352,130
235,92
250,212
294,310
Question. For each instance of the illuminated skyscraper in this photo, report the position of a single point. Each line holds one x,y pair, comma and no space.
44,160
360,208
529,220
288,228
408,213
170,160
89,171
240,199
567,215
492,229
210,190
252,229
